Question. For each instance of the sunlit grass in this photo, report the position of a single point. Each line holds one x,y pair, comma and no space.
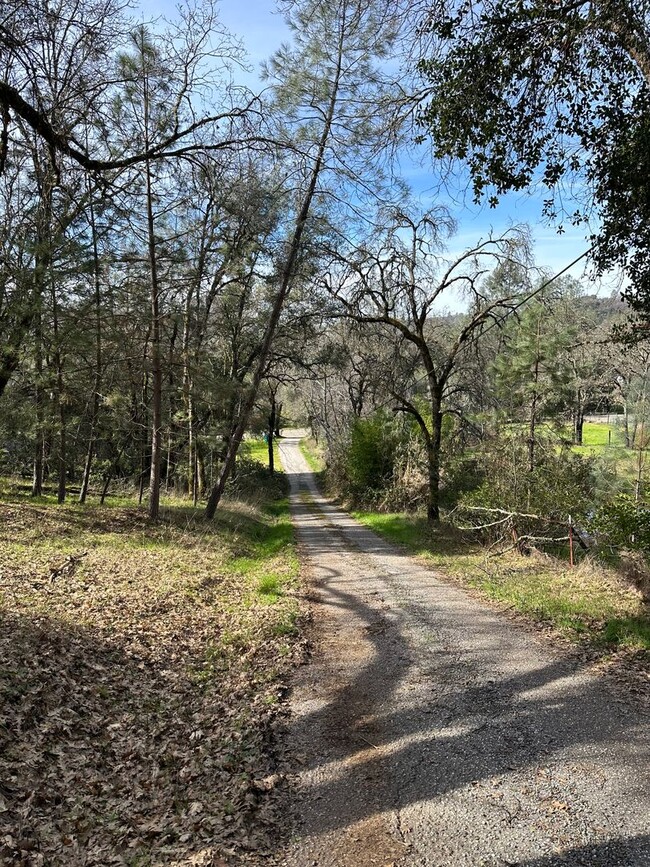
588,602
313,454
256,449
601,435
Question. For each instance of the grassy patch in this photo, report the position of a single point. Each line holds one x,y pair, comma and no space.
588,602
436,544
137,685
313,454
616,465
256,449
602,435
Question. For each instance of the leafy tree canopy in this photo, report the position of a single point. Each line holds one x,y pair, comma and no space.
530,90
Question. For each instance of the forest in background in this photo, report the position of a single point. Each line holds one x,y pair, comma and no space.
184,261
157,304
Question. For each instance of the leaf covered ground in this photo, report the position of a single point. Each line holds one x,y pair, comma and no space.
140,672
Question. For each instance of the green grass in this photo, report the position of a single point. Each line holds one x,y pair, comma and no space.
269,586
256,449
435,544
616,466
587,603
602,435
313,454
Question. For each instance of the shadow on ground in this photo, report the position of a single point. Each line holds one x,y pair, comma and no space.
459,723
111,755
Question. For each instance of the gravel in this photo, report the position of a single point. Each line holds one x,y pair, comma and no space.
429,730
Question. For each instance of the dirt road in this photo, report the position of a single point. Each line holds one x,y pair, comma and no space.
432,731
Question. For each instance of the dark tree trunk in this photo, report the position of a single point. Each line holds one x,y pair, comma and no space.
201,476
578,428
578,418
62,457
271,432
39,445
433,458
144,466
41,270
97,386
156,367
626,422
278,421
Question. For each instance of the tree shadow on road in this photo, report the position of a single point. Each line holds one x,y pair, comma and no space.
600,855
464,720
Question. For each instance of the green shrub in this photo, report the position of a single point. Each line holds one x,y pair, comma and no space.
560,484
623,523
361,468
460,476
370,458
250,478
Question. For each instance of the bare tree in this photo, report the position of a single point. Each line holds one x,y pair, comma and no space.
399,281
160,81
91,33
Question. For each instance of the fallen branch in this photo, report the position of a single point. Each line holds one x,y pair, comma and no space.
508,514
532,539
545,539
68,567
486,526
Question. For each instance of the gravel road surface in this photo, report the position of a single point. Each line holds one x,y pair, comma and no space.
431,731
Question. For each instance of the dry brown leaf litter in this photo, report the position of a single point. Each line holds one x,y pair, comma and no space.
137,689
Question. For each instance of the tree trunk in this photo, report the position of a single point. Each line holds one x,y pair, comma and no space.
578,429
59,399
271,433
532,424
201,479
97,386
39,445
640,464
578,419
171,450
107,482
640,441
433,460
63,448
188,396
432,438
278,420
156,367
63,466
144,466
41,270
286,278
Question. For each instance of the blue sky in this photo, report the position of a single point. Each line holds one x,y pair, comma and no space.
262,29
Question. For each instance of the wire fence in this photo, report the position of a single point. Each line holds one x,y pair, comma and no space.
504,531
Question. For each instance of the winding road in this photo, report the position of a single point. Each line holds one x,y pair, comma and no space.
431,731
